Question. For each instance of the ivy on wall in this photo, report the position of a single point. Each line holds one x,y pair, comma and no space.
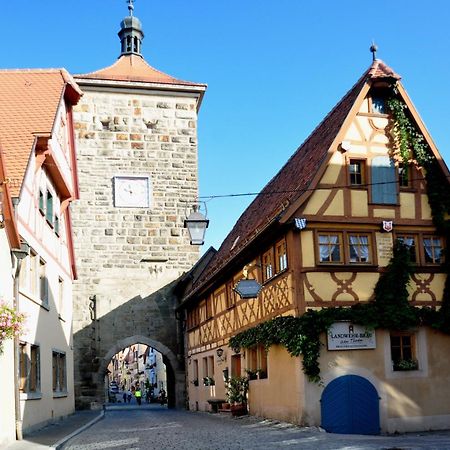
390,308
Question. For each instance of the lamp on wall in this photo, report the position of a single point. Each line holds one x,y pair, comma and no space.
219,352
196,223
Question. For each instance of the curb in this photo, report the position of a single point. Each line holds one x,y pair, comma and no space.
62,441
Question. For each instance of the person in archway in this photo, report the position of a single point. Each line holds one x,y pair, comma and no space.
138,395
129,395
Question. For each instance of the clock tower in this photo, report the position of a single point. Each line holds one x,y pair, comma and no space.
136,132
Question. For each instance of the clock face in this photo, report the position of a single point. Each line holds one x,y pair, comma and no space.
132,192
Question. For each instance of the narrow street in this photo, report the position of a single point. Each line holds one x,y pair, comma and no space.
156,427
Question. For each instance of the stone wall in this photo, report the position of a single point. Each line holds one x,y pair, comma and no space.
127,258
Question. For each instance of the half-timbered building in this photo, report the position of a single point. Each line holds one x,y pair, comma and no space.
318,236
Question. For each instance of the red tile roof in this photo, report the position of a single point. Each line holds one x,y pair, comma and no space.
293,178
134,68
29,102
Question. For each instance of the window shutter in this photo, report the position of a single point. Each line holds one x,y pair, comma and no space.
384,181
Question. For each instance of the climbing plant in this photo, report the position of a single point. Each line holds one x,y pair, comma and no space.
390,308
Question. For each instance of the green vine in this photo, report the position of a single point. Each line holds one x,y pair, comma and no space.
390,308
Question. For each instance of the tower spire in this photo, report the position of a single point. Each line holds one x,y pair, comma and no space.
131,33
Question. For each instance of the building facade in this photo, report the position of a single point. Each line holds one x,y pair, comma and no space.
39,156
136,130
9,241
319,236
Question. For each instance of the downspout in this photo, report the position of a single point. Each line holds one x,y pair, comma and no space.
18,255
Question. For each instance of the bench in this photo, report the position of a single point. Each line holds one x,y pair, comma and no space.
215,403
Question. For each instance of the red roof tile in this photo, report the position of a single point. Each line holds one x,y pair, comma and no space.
29,102
293,178
134,68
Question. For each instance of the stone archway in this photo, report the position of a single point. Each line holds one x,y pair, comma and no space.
175,378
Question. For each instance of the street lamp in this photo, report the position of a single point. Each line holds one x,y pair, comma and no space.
196,223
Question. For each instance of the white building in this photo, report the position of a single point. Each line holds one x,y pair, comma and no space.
36,132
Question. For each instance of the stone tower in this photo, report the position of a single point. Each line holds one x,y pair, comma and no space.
136,132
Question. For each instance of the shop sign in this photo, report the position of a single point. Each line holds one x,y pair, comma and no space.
347,336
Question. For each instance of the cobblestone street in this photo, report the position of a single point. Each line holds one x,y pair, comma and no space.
161,428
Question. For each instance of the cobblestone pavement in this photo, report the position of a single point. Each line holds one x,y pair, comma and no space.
160,428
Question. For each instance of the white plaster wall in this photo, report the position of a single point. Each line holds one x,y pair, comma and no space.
7,415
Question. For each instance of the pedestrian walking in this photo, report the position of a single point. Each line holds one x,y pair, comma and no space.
124,396
138,395
129,396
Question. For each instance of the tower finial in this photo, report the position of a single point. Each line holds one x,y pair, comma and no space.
131,33
373,49
130,6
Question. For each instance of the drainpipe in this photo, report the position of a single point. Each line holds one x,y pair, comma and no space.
18,255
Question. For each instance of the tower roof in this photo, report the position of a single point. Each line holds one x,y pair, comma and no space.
135,68
131,66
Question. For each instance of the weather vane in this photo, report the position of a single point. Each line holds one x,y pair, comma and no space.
130,6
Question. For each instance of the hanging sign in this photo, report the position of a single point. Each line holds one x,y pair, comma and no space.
347,336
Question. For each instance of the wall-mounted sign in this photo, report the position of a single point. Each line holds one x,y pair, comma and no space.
347,336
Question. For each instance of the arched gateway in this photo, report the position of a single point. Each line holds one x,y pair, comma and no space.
175,375
136,137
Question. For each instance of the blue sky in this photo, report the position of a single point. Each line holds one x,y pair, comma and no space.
274,69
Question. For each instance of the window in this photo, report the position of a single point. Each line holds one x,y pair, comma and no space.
29,368
59,371
56,224
43,282
193,318
410,242
257,362
209,306
41,201
359,248
49,208
330,248
384,181
432,249
267,265
404,176
195,370
230,299
280,256
356,171
403,352
378,105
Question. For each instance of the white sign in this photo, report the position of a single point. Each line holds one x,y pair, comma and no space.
347,336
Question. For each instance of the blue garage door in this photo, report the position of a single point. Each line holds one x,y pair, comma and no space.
350,405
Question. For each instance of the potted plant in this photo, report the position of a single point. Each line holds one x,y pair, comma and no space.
11,323
195,382
252,374
208,381
236,393
405,364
